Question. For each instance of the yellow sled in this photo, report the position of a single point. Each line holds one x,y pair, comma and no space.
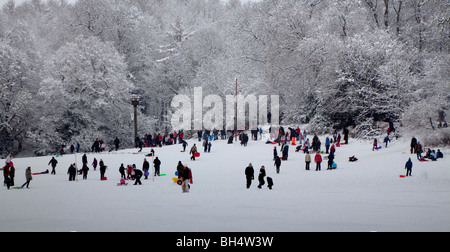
177,180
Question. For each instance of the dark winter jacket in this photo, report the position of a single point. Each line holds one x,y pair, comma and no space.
408,164
146,166
250,172
277,161
53,162
262,174
157,163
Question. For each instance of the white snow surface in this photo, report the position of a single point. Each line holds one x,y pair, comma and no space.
367,195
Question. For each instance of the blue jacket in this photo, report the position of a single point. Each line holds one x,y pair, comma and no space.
408,164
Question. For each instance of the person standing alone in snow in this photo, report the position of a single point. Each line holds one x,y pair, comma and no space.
408,167
249,174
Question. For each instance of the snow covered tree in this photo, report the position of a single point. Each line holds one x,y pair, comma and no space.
86,93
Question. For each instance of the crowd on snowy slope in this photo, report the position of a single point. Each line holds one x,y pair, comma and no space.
279,136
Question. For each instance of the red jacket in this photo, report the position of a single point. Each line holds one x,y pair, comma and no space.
318,158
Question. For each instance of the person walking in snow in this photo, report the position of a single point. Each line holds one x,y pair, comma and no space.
28,176
375,145
408,167
318,160
249,174
277,164
53,162
193,151
386,141
262,174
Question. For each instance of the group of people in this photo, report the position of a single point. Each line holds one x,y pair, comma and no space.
9,173
417,148
250,176
157,139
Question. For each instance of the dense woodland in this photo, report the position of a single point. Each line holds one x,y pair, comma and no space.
67,71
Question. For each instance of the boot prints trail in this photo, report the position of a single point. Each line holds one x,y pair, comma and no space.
226,242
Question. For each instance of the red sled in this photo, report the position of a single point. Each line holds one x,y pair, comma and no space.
402,176
182,151
104,178
197,154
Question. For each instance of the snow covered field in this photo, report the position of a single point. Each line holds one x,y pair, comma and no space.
366,195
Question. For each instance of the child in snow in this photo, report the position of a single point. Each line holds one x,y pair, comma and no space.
408,167
307,160
386,140
375,145
318,160
122,171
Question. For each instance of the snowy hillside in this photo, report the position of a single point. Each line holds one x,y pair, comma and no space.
367,195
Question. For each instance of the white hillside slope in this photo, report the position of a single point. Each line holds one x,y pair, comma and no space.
366,195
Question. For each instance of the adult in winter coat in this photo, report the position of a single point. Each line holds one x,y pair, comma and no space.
84,159
186,176
72,171
419,150
408,167
262,174
116,143
28,176
249,174
327,144
145,168
137,176
157,164
102,169
285,152
413,144
318,160
122,171
277,163
307,160
85,170
346,132
94,164
53,162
